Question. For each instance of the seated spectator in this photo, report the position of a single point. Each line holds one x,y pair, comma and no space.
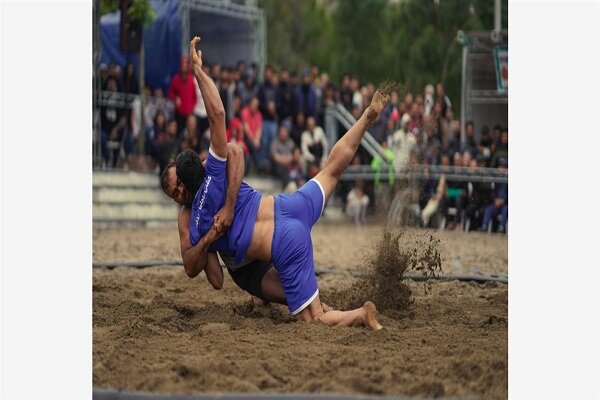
499,204
501,150
473,199
155,135
252,123
435,192
298,128
314,147
281,153
114,132
456,192
193,138
296,176
356,203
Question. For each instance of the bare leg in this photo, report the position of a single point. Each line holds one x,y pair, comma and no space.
342,153
364,316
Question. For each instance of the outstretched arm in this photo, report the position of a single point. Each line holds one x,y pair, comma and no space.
212,101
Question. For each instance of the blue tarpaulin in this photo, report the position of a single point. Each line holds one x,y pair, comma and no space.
161,43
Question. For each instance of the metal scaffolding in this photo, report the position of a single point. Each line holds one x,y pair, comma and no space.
482,101
244,10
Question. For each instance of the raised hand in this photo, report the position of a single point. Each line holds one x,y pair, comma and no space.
195,56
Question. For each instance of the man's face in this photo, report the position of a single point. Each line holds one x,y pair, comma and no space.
504,137
469,130
172,128
284,76
310,123
283,133
174,188
254,104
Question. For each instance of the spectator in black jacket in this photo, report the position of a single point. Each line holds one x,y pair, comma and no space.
285,96
499,204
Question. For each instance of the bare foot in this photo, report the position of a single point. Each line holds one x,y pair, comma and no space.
378,102
326,308
258,303
371,316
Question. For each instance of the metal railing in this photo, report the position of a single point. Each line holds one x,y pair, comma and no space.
420,171
344,117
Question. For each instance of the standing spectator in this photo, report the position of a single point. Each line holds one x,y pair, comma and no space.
167,149
298,128
252,123
114,132
346,92
306,97
155,135
496,137
415,120
402,144
357,97
200,111
281,153
454,144
356,203
499,204
442,98
226,91
182,92
160,103
235,132
285,96
428,100
470,144
314,146
247,89
501,150
267,96
130,81
485,144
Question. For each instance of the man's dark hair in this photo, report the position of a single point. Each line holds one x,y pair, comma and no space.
190,171
164,175
469,123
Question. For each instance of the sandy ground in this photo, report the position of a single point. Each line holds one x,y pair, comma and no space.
157,330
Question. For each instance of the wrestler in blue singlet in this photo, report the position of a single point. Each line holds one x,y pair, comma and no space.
291,248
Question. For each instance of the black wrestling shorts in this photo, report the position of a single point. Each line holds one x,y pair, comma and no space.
249,277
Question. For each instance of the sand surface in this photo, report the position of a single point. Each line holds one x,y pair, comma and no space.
157,330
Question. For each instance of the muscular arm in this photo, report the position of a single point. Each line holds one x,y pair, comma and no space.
197,258
212,102
235,173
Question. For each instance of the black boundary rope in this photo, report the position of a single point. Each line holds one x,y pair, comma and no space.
321,271
108,394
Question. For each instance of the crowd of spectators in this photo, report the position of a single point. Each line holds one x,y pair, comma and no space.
278,121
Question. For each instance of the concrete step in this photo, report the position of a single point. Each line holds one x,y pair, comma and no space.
116,194
125,179
134,211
